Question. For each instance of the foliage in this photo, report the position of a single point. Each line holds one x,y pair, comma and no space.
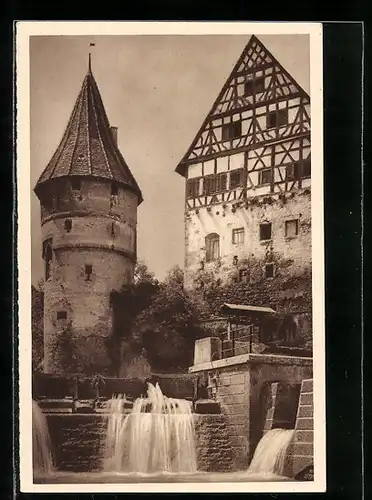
37,327
169,326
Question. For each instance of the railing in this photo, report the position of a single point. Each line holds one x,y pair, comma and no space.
238,340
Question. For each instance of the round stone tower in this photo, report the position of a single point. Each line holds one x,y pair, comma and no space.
89,201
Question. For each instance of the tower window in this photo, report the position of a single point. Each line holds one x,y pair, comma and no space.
75,183
265,231
61,315
265,176
243,274
114,189
254,86
291,228
68,225
277,118
238,235
236,178
269,270
306,168
212,244
231,130
192,188
88,272
48,257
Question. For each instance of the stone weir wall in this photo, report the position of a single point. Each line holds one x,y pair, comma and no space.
240,384
78,442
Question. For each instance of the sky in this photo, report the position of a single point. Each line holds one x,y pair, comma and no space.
157,89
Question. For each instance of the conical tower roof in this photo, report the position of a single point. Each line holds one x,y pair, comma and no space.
87,147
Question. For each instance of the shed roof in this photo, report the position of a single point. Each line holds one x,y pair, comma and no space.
243,309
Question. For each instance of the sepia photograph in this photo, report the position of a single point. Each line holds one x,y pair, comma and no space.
171,257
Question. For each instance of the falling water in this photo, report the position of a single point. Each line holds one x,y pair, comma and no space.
270,452
42,455
157,436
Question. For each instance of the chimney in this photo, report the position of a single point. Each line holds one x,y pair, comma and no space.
114,132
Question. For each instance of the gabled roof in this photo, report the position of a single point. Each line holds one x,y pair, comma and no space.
242,308
255,57
87,147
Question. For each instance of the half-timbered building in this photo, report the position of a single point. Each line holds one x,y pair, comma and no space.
248,185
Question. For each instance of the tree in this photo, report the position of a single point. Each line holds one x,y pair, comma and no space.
37,327
169,326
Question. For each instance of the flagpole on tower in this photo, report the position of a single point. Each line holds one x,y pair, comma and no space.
90,57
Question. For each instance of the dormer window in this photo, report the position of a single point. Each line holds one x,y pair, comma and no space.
75,183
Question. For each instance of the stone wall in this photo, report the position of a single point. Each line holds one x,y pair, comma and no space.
290,287
241,382
300,453
77,441
213,443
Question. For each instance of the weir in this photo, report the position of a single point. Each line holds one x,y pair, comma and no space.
158,435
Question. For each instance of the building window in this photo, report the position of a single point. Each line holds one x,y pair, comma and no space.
223,182
192,188
61,315
88,272
231,130
236,178
291,228
114,189
48,257
269,270
210,184
243,274
75,183
68,225
238,235
212,245
265,231
265,176
306,168
254,86
292,172
277,118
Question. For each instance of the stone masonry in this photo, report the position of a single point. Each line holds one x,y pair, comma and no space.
300,453
240,382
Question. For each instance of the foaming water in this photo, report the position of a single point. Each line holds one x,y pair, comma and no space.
158,436
269,457
41,448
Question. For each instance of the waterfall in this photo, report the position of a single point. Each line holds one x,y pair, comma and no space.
156,436
270,452
41,448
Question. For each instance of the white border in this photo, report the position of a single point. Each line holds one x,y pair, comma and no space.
26,29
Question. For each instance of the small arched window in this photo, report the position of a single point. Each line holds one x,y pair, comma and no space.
212,246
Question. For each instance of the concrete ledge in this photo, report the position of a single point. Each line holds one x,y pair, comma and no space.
268,359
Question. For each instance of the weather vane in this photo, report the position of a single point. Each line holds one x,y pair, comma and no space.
90,56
